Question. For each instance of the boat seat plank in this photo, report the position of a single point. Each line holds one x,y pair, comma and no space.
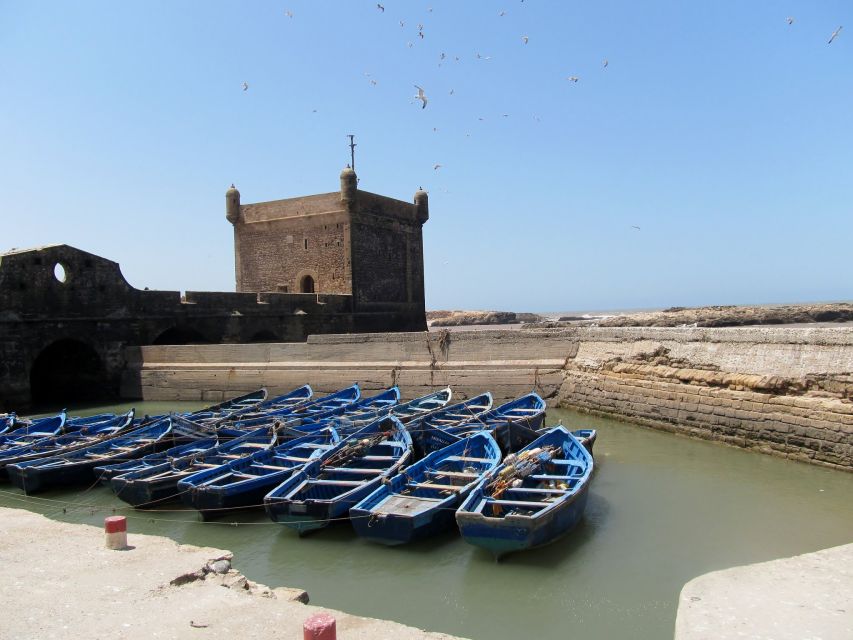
520,503
347,483
352,470
270,467
520,410
555,492
467,459
434,485
453,474
375,458
545,476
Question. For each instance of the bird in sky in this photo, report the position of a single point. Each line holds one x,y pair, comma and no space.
605,63
420,27
572,78
442,56
245,86
524,39
380,7
506,115
479,57
421,96
402,24
789,20
410,45
502,13
537,118
834,35
451,91
288,13
633,226
436,167
373,82
421,35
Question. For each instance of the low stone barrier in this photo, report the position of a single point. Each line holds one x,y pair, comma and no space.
784,391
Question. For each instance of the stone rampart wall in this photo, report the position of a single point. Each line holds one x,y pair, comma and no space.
784,391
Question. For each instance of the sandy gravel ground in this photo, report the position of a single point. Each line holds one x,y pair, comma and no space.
58,581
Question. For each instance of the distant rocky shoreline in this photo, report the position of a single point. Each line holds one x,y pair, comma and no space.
710,316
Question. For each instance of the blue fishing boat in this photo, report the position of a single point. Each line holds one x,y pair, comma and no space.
428,432
587,438
32,432
280,405
513,424
76,467
349,419
229,408
105,473
7,422
405,412
243,483
533,498
311,411
156,483
71,440
325,489
421,500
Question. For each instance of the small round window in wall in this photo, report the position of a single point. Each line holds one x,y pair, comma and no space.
59,273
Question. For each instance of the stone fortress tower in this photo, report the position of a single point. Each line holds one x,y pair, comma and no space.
348,242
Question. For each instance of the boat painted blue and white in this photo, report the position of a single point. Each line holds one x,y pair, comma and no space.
325,489
421,500
429,432
533,498
243,483
513,424
77,466
157,483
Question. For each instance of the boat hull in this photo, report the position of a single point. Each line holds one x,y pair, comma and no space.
518,533
392,530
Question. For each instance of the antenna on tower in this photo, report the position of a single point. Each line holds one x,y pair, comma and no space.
352,146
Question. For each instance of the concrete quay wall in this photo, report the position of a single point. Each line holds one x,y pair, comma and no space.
783,391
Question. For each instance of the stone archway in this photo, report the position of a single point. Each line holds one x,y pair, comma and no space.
68,371
307,281
306,285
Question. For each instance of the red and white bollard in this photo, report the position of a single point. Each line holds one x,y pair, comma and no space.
115,528
320,626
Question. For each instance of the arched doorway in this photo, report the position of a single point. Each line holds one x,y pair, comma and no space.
181,335
68,371
306,285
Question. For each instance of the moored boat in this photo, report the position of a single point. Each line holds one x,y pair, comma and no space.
325,489
280,405
312,411
243,483
76,467
587,438
513,424
349,419
428,432
32,432
71,440
533,498
421,500
158,483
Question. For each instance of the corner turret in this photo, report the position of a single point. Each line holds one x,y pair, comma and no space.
349,185
422,205
232,205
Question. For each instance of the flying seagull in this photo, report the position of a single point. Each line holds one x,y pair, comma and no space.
479,57
436,167
524,39
245,86
402,24
421,96
502,13
834,35
410,45
373,82
380,7
288,13
789,20
421,35
605,63
633,226
451,91
572,78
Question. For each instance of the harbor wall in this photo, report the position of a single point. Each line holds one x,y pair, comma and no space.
782,391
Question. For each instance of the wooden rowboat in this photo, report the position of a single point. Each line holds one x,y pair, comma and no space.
243,483
325,489
421,500
533,498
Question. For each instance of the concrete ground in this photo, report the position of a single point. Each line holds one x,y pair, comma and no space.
808,596
60,582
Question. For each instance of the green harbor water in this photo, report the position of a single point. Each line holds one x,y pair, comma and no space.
663,509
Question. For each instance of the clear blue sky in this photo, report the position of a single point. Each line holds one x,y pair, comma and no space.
721,131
